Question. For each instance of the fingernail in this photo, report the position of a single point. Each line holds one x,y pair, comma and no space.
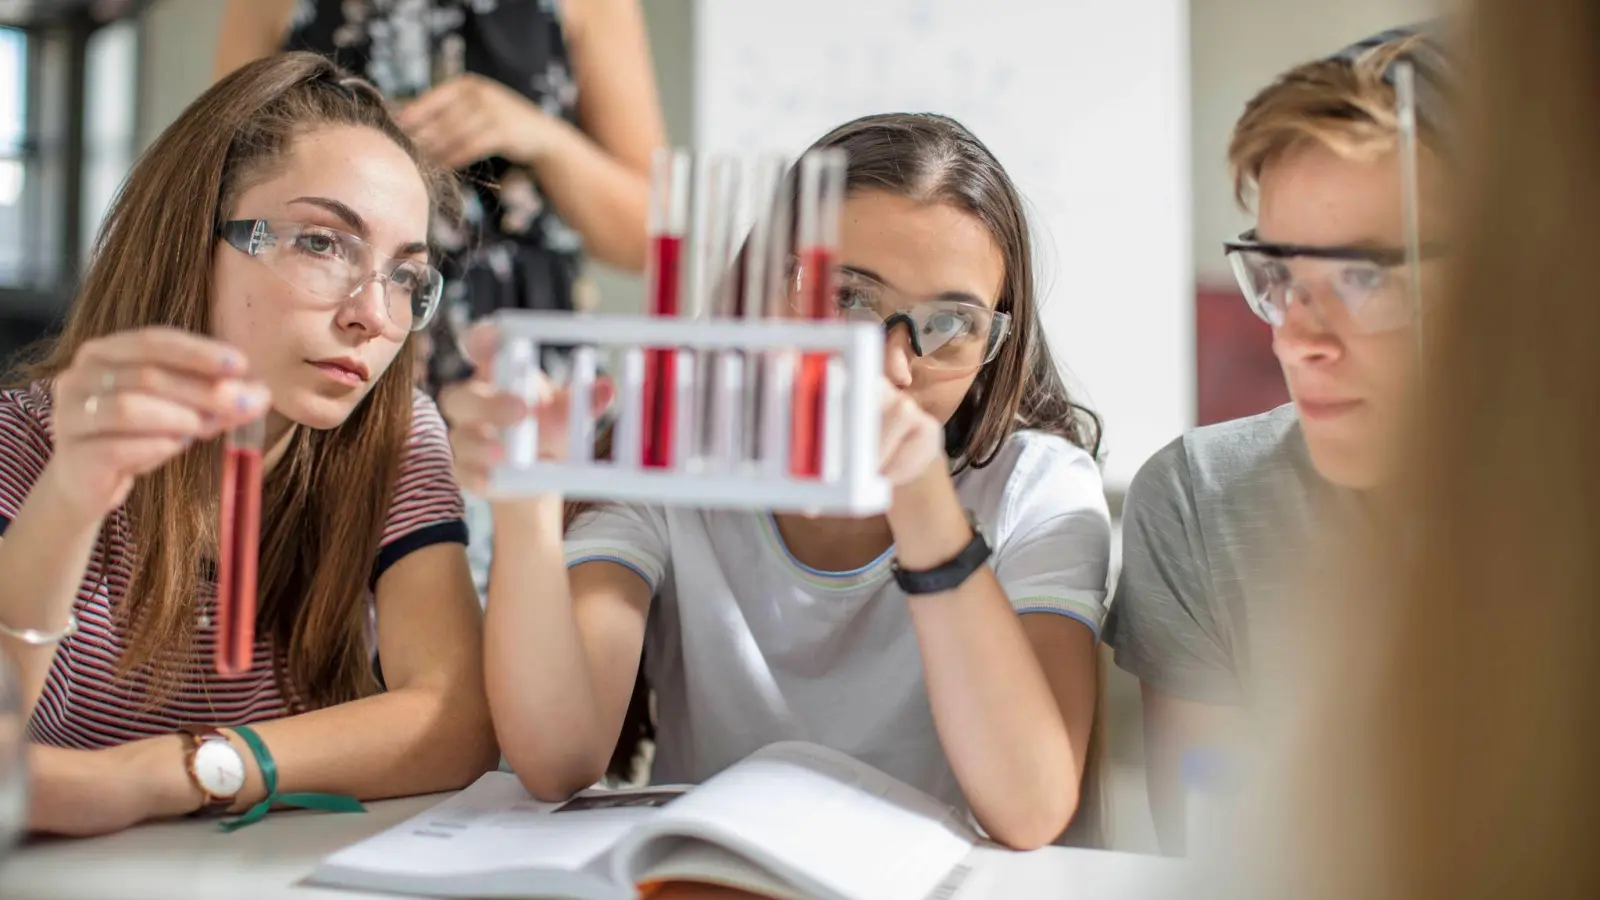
250,401
232,362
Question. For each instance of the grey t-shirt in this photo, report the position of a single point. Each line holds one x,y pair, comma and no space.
1219,529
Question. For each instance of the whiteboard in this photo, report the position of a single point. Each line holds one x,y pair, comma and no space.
1086,103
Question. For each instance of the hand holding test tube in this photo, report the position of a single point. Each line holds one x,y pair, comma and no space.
739,386
510,411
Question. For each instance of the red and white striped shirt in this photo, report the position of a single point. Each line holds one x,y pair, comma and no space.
86,703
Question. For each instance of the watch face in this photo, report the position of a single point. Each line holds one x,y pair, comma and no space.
219,768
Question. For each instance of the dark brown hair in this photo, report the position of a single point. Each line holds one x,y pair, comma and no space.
324,503
934,159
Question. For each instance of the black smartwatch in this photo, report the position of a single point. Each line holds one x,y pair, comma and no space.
950,575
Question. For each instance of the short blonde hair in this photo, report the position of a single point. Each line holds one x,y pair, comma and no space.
1344,105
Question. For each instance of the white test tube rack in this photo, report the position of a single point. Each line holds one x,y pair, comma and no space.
721,475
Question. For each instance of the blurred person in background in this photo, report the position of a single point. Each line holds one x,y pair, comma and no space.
1221,524
548,108
1453,754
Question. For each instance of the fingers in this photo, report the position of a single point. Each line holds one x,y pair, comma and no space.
481,344
479,403
168,347
477,141
137,455
892,435
455,136
439,98
152,400
477,449
229,400
131,413
911,440
604,391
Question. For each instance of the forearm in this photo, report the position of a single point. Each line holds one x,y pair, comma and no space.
601,198
42,562
997,719
1173,727
400,743
541,690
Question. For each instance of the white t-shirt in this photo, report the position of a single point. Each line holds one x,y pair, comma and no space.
746,646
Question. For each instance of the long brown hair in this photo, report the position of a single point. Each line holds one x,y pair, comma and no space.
324,503
1465,720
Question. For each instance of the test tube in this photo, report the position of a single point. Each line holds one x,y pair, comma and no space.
755,293
516,370
580,414
727,411
669,213
726,233
822,176
627,445
777,389
705,243
238,547
1405,96
833,419
687,383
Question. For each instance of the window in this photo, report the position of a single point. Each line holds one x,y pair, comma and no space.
13,154
111,62
68,135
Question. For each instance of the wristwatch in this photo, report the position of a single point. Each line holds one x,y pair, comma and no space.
215,767
950,575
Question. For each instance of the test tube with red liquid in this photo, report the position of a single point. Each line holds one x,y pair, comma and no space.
669,214
822,176
238,547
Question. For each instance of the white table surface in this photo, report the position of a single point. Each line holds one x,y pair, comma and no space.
193,860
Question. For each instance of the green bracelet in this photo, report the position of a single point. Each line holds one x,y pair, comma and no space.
269,775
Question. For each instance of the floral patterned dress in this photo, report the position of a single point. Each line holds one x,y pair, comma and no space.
514,250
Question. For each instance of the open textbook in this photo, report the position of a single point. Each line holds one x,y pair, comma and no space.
791,821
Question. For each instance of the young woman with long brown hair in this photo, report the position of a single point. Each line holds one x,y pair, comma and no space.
267,257
758,627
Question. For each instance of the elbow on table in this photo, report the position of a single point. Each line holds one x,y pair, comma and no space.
555,786
552,774
1033,822
474,752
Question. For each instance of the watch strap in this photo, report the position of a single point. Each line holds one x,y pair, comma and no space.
949,575
269,778
212,805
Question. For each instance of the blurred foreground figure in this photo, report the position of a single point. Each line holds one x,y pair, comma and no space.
1453,754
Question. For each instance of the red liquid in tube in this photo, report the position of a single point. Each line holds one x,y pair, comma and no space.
810,383
238,551
660,365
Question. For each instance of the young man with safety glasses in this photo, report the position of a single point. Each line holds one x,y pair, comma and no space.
1220,525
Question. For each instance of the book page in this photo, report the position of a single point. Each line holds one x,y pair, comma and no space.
495,825
827,823
692,861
